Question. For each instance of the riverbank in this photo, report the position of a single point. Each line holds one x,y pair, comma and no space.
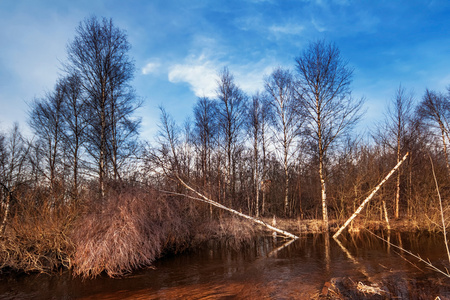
311,226
129,231
263,269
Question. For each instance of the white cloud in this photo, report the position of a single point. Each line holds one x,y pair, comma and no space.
150,68
200,73
287,29
319,27
250,78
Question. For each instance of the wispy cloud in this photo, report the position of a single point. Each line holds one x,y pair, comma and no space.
151,67
199,72
250,77
318,25
291,29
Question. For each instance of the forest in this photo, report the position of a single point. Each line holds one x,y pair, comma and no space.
86,193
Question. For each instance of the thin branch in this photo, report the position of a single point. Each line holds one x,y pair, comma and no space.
427,262
442,211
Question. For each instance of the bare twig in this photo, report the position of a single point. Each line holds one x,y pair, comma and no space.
442,211
427,262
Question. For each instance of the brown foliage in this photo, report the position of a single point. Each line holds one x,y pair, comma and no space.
127,230
36,237
236,232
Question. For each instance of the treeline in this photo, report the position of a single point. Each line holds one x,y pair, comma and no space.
288,150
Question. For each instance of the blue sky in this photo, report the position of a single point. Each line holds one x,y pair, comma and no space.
179,46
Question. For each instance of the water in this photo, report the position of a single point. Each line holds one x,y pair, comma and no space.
259,271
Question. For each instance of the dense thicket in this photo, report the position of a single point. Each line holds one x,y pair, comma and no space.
85,184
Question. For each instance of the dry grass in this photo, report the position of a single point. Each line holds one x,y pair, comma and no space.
36,237
128,230
235,231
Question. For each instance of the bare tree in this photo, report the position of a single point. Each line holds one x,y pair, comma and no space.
13,156
254,123
75,119
169,141
287,121
323,89
395,132
434,111
99,54
46,121
205,131
231,116
265,121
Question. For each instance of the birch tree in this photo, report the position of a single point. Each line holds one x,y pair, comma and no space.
205,130
231,109
323,90
287,121
13,157
255,123
75,125
46,121
99,55
393,133
434,111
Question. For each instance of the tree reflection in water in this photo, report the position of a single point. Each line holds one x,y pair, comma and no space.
263,269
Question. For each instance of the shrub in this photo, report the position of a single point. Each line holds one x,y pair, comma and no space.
127,230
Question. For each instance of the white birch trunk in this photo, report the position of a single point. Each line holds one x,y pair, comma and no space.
214,203
397,195
324,195
369,197
6,206
386,216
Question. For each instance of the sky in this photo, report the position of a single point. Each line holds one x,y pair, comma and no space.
180,46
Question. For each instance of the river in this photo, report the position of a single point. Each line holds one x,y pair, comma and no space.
264,269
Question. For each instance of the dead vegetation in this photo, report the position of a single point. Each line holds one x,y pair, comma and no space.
37,235
126,230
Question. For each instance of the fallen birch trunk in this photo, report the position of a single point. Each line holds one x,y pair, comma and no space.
369,197
214,203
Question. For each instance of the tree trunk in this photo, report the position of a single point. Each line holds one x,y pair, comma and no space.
286,191
256,180
397,194
324,193
445,147
369,197
7,207
214,203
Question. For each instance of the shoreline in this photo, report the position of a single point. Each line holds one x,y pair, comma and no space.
238,232
315,226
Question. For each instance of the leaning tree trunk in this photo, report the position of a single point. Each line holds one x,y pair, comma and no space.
356,213
205,199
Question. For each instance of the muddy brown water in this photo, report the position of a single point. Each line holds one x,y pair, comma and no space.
259,271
